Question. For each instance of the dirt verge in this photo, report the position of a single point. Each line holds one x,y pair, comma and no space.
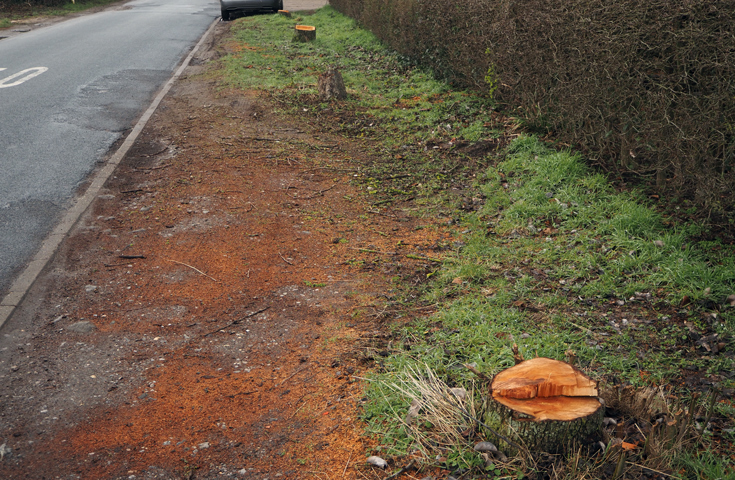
213,313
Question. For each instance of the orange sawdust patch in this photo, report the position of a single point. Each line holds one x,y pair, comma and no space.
193,412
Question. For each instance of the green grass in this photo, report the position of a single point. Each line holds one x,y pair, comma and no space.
706,465
389,100
555,259
19,12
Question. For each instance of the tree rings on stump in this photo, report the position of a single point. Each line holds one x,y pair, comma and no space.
547,405
330,85
305,33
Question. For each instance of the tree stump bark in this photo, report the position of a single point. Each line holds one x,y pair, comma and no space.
330,85
304,33
546,405
285,13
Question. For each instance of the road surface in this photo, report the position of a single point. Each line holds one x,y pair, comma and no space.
67,93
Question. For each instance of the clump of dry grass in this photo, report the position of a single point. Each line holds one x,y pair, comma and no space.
440,416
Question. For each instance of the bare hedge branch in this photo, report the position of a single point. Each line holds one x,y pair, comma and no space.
641,86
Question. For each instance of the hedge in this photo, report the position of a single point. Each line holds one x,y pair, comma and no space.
643,87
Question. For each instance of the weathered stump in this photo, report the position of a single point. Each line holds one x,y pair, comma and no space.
330,85
546,405
304,33
285,13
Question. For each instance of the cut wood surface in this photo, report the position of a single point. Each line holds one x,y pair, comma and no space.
547,405
543,377
553,408
305,33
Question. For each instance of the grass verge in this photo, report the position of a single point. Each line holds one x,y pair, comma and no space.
20,12
553,260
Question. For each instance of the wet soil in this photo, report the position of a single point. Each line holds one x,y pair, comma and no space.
215,311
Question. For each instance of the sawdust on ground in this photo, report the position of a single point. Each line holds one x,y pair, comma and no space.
215,311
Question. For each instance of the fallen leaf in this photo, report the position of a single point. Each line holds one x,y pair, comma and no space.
413,412
457,281
459,392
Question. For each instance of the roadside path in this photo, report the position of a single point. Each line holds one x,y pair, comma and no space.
68,92
214,311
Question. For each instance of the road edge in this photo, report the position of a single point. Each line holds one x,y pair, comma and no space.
23,283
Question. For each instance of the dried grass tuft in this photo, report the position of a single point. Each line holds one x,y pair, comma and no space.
439,416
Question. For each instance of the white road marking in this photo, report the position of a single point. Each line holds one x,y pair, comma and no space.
28,72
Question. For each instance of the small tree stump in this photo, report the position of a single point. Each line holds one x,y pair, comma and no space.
546,404
304,33
330,85
285,13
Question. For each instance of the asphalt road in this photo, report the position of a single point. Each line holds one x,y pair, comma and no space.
67,93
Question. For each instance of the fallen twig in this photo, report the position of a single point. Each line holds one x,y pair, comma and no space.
367,250
652,470
420,257
584,329
408,467
345,170
331,430
235,322
130,257
291,376
284,258
320,192
193,268
378,212
242,393
478,373
347,465
261,139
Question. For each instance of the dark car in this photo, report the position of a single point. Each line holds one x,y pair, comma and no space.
243,6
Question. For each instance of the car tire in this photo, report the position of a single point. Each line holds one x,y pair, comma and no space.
280,5
225,15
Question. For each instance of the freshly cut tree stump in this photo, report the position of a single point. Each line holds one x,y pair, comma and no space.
285,13
304,33
331,85
546,405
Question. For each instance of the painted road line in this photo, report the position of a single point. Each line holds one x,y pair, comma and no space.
25,281
28,72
